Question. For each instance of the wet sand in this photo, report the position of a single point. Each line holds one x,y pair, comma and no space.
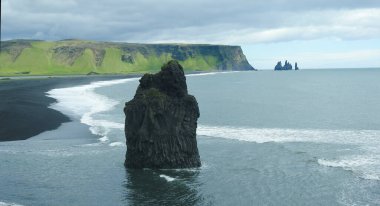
24,106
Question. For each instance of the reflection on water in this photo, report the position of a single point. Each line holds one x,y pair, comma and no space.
162,187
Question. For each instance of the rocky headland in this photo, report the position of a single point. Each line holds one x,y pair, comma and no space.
161,122
71,56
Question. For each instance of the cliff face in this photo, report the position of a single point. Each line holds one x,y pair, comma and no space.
161,122
24,57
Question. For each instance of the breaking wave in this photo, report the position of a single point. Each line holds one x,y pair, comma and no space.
366,165
9,204
83,102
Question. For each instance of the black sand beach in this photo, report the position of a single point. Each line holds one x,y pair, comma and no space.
24,105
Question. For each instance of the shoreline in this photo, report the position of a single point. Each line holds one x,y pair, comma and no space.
24,109
127,75
20,77
24,105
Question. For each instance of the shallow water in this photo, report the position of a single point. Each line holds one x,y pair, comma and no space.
265,138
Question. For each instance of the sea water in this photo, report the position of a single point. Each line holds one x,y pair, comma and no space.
309,137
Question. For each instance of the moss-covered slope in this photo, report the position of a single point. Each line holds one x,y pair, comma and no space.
31,57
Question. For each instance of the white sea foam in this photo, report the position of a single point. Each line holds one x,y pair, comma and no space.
9,204
104,139
366,165
167,178
210,73
261,135
201,74
82,102
347,163
117,144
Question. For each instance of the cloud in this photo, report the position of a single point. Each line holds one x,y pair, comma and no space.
197,21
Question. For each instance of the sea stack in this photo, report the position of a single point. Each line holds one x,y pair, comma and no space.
296,66
287,66
161,122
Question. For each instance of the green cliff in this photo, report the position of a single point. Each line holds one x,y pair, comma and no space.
32,57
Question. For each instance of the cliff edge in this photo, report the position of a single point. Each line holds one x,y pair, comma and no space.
32,57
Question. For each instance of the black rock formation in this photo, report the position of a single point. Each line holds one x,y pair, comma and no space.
287,66
278,66
161,122
296,66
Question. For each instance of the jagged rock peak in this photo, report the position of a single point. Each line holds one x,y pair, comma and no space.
287,66
278,66
170,80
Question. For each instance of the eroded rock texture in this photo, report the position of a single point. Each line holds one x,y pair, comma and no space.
161,122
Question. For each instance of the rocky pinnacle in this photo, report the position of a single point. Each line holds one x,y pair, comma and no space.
161,122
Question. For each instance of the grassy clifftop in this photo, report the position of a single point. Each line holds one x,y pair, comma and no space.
31,57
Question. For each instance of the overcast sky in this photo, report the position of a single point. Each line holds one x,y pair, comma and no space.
316,33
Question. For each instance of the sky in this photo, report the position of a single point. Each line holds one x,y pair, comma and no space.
314,33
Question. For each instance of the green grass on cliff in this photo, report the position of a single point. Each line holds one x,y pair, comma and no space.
79,57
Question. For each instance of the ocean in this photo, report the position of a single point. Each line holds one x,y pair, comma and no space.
309,137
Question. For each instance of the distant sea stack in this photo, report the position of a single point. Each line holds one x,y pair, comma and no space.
296,66
287,66
71,56
161,122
